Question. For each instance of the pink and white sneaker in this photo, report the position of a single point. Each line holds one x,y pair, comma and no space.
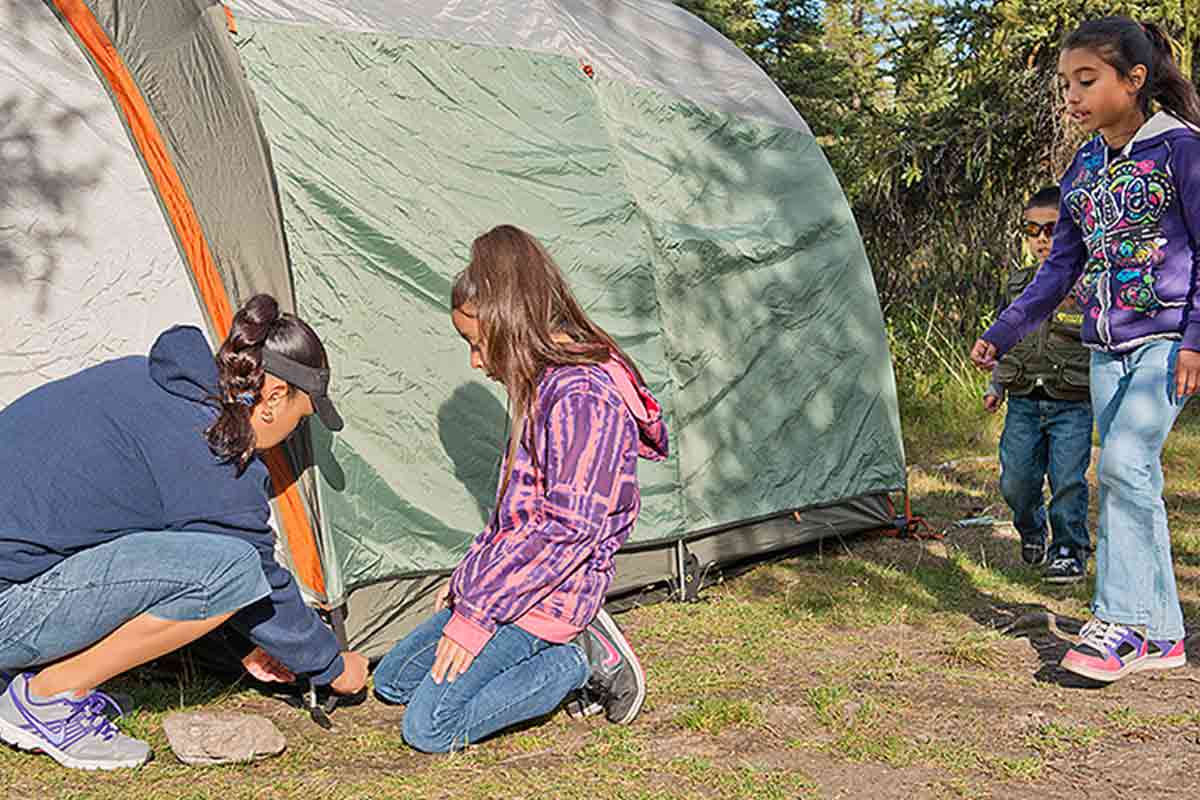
1107,651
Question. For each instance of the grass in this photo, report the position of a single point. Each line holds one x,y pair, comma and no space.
974,649
941,393
713,715
872,667
825,701
1054,737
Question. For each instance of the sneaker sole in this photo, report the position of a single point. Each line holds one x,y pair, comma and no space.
1151,664
23,740
1100,675
618,639
1062,580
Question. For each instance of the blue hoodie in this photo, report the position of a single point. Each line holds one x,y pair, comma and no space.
120,448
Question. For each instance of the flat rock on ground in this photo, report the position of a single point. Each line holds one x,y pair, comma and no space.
204,738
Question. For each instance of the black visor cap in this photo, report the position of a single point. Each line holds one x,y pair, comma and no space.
312,381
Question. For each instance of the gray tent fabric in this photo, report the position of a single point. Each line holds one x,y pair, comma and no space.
649,43
193,82
88,266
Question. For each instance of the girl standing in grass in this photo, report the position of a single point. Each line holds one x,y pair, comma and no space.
1128,231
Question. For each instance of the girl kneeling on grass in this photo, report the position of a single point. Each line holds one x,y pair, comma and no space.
1129,224
521,624
133,520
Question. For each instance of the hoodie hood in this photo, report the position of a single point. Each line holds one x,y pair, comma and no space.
1161,125
182,363
645,408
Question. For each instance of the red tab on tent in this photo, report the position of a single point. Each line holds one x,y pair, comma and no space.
182,217
230,22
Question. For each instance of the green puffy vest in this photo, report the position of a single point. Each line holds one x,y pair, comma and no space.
1052,357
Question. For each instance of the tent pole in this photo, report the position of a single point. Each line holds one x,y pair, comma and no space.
336,617
681,594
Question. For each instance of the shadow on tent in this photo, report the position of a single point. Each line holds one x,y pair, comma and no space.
474,409
41,193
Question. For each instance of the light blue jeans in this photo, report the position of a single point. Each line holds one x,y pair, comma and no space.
1133,396
173,575
1048,439
516,677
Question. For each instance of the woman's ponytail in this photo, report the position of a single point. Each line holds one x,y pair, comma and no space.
1168,85
240,374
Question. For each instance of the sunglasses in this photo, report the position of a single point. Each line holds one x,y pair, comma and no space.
1034,230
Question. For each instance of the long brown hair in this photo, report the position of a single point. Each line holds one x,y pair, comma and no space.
1123,43
522,303
258,325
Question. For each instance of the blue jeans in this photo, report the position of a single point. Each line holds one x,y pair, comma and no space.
1048,439
1134,398
173,575
516,677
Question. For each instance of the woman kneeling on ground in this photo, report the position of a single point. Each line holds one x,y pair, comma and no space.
521,624
134,520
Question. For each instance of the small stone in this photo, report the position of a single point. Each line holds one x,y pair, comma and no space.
203,738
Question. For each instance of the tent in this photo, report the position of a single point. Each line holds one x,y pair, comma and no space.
165,159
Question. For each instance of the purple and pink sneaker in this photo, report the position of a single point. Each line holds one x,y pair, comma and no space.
74,731
1164,654
1107,651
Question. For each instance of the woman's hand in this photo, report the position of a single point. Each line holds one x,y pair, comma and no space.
452,660
1187,373
263,667
983,354
354,674
991,402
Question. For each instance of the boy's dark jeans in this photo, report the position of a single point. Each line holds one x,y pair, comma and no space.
1048,439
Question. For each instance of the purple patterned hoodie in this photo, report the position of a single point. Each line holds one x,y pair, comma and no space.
1126,243
545,560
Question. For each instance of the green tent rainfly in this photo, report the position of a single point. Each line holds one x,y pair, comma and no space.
344,154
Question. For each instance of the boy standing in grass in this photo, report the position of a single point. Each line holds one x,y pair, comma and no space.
1048,427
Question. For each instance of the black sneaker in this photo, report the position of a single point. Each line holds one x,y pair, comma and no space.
1066,567
1033,548
618,684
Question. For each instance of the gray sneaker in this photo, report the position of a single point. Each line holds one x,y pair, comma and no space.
617,684
73,731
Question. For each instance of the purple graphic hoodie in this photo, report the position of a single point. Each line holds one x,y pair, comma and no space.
545,560
1126,244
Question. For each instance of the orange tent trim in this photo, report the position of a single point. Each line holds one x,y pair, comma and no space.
186,223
